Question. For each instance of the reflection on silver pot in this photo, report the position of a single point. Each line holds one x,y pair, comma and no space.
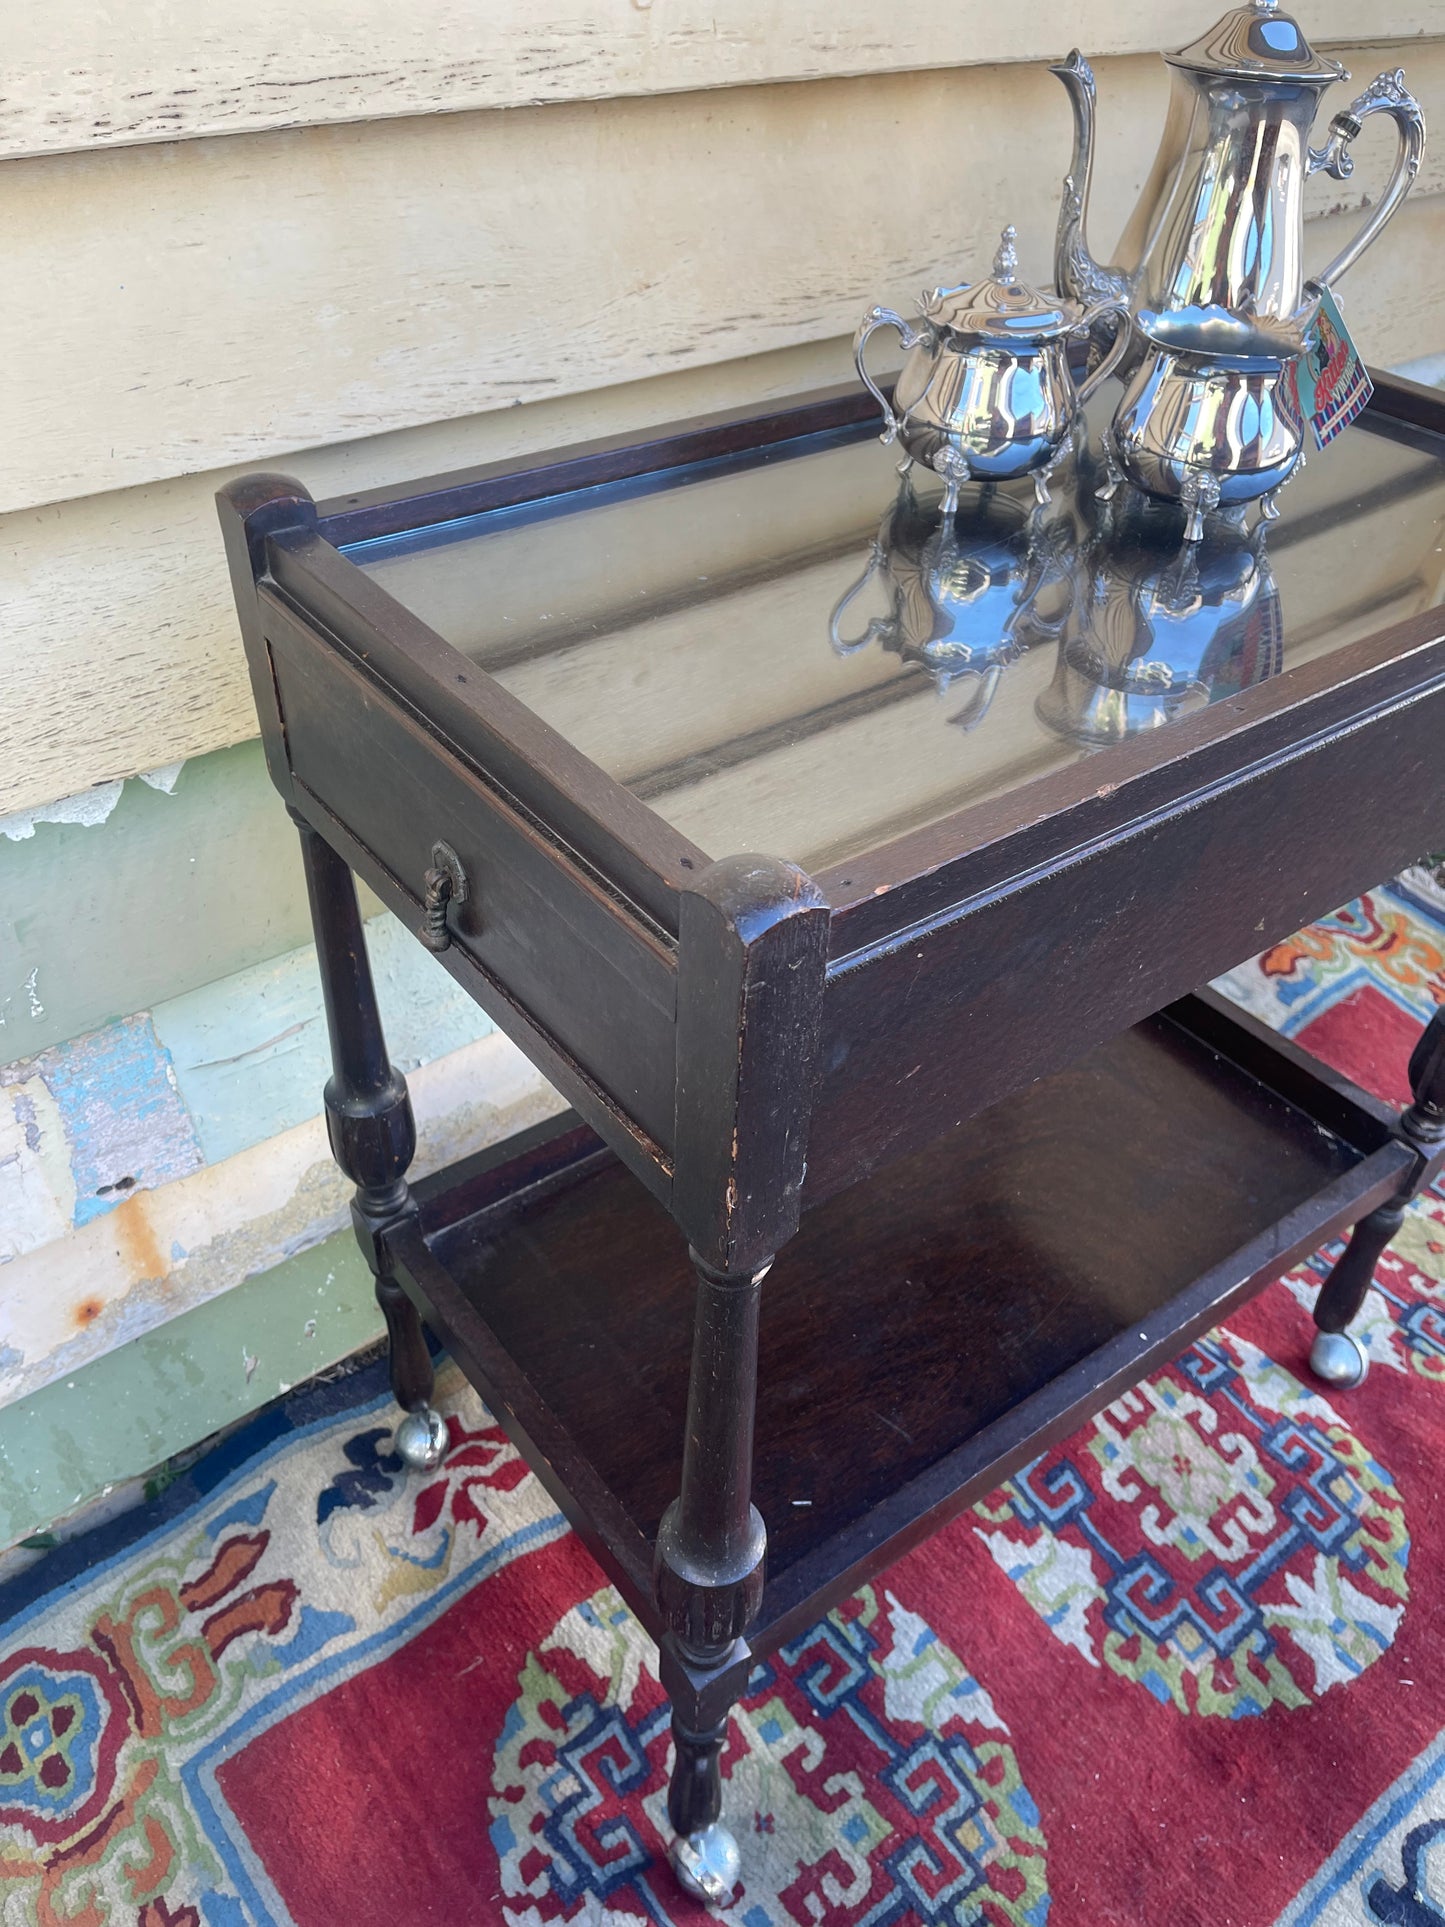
987,392
967,592
1155,631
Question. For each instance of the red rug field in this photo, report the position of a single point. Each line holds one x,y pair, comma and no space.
1188,1670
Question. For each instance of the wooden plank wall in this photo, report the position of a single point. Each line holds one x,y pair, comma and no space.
364,242
80,76
428,278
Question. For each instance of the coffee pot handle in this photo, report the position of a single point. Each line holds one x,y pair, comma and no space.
1386,94
884,318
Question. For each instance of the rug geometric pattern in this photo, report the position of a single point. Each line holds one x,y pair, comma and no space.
1188,1667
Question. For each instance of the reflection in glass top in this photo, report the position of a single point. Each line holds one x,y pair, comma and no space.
789,652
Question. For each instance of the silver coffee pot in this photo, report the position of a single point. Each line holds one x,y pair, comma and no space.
1217,239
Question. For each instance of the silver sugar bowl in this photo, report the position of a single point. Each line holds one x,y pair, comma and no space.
987,392
967,594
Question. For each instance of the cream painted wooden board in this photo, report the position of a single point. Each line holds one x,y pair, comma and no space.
118,646
80,75
203,303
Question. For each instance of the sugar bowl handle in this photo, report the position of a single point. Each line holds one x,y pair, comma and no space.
911,337
880,627
1386,94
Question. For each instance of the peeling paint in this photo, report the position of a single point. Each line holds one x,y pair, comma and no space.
233,1220
37,1190
125,1124
91,807
163,779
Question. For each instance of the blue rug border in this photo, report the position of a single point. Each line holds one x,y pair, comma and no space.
292,1412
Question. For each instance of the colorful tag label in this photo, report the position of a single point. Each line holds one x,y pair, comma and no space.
1328,382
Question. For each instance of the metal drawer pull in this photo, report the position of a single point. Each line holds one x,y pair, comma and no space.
445,883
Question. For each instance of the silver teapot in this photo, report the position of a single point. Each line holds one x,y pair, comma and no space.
1217,236
987,392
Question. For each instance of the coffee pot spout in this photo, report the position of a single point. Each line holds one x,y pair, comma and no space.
1076,272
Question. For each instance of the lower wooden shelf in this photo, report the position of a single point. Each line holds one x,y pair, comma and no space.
926,1332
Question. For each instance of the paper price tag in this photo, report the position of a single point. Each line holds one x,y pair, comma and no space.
1328,383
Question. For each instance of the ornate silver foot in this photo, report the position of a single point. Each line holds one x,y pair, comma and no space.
1200,497
707,1864
952,464
421,1439
1269,506
1042,493
1113,475
1339,1359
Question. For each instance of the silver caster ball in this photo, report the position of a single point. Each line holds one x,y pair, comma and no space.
707,1864
1339,1359
421,1439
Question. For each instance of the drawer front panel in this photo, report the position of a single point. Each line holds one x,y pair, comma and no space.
587,973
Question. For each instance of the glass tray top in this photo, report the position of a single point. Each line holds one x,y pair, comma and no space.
789,651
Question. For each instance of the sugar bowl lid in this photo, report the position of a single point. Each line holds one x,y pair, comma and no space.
1257,42
1003,308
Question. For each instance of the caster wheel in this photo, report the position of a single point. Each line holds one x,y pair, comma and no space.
421,1439
707,1864
1339,1359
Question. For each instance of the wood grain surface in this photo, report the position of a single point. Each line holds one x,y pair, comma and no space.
199,304
80,76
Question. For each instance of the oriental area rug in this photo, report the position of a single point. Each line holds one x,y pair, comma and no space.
1187,1669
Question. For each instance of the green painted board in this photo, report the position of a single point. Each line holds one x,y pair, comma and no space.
250,1054
130,1411
167,894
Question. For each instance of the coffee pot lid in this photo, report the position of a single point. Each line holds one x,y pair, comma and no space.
1257,42
1003,308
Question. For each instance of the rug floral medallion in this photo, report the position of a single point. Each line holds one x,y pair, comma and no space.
1185,1668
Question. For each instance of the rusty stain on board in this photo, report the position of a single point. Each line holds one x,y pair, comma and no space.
135,1239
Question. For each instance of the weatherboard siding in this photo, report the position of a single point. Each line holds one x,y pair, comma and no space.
365,246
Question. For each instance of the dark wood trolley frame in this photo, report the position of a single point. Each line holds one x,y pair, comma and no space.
748,1041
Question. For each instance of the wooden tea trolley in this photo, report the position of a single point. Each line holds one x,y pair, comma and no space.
904,1147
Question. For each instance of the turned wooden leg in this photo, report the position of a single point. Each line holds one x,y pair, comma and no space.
1337,1356
711,1547
372,1133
